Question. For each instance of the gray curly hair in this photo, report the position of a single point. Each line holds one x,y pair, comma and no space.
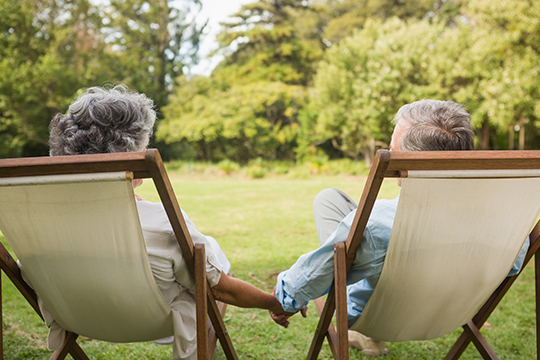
103,121
435,125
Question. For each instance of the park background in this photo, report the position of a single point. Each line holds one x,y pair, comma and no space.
297,80
301,96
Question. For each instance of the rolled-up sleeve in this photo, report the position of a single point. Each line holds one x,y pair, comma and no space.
213,264
312,274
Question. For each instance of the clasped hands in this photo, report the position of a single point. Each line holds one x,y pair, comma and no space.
281,317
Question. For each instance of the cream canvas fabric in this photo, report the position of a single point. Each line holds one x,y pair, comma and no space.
453,242
79,240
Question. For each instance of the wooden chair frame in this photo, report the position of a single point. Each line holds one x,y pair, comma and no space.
389,164
146,164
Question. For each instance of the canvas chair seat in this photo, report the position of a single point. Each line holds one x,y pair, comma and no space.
84,253
453,242
461,221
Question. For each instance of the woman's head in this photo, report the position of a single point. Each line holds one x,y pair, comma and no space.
103,121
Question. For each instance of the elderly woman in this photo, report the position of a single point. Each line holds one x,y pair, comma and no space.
117,120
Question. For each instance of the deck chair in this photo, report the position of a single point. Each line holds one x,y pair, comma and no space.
461,220
72,222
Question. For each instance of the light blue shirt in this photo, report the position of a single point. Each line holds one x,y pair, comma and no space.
313,273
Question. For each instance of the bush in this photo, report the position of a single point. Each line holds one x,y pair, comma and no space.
257,169
228,167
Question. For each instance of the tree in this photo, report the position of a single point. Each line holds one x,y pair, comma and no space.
271,40
152,41
248,107
366,78
346,16
240,123
500,68
48,50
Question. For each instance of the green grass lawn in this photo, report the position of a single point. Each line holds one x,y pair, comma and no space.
263,226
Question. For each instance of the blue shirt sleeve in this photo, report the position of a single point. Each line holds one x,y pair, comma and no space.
312,274
520,258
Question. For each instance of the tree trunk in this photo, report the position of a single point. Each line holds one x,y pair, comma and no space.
484,136
511,138
522,133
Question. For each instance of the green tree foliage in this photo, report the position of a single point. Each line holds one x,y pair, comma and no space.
271,40
345,16
500,70
356,61
368,76
275,44
239,123
51,48
152,42
489,62
248,108
48,49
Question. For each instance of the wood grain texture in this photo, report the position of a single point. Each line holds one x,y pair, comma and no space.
340,274
331,335
200,300
461,160
479,341
76,164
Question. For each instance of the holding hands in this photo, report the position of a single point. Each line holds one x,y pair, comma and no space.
280,316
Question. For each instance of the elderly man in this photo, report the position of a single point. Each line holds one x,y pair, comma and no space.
427,125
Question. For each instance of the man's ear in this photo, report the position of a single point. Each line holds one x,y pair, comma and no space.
137,182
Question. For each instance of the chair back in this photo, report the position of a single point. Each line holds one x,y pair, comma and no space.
79,240
455,237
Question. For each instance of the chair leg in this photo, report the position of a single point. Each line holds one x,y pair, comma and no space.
1,322
537,290
483,314
77,353
212,336
9,266
70,346
219,326
331,335
201,300
69,341
323,325
340,274
479,341
337,299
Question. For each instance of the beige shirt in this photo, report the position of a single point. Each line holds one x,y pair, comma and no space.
172,274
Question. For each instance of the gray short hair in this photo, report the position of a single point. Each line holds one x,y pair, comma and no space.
435,125
103,121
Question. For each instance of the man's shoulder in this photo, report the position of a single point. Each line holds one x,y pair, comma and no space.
385,205
384,211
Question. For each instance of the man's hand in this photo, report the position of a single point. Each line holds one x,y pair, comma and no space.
280,316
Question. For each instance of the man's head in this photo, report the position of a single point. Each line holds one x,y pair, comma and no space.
103,121
432,125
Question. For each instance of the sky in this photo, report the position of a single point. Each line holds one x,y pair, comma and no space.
215,11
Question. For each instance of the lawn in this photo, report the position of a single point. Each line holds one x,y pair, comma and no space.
263,226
